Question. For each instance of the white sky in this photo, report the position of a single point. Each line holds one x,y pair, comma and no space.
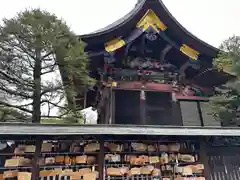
219,17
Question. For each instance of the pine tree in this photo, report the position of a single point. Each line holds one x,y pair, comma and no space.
34,46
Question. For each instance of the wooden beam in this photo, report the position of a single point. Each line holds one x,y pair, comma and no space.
184,67
149,86
167,48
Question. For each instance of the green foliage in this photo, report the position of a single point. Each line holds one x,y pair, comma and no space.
226,102
65,120
34,45
13,115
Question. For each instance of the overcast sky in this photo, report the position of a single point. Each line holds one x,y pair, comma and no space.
210,20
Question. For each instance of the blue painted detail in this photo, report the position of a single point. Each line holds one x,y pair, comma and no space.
166,38
134,35
109,57
127,48
193,61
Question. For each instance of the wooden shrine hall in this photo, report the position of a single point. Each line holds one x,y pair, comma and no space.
151,70
154,80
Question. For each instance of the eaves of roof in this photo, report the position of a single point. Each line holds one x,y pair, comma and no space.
130,20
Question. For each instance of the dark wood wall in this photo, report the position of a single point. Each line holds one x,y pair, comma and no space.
224,163
159,109
127,109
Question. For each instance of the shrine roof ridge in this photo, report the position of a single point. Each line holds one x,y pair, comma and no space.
129,20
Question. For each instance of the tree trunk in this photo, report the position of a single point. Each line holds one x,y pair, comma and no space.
36,117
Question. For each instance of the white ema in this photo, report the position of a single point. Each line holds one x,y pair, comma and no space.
90,115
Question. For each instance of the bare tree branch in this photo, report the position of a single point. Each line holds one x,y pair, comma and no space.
51,89
48,54
15,93
52,103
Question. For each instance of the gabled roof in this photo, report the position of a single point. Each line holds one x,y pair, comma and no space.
174,29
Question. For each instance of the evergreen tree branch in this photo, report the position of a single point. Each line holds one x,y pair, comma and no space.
32,45
20,107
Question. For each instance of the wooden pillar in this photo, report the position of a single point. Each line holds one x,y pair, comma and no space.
85,98
35,166
107,104
167,48
176,113
110,105
101,162
200,113
113,107
143,107
204,156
